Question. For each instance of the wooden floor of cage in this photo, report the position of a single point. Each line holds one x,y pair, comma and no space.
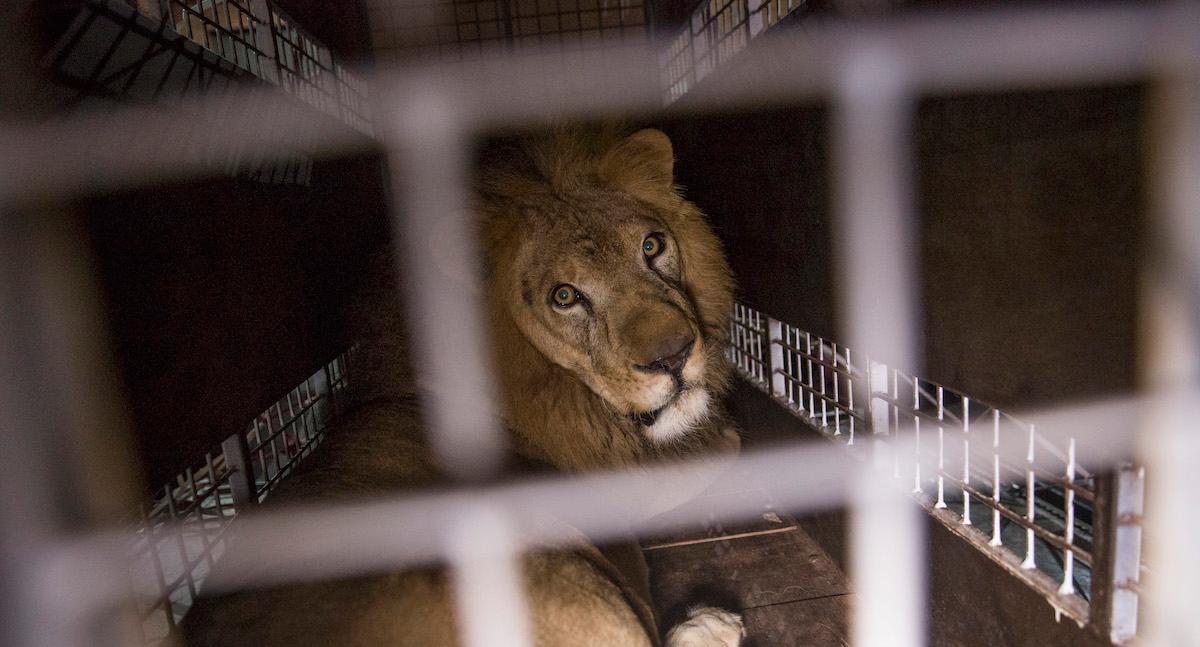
787,588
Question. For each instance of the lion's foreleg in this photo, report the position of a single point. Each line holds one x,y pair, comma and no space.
707,627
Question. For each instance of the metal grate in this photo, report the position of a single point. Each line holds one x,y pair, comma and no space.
873,81
765,14
747,338
278,438
715,32
181,531
226,27
170,560
308,70
582,24
469,30
1035,520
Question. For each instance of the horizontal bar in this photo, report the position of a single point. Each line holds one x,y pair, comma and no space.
943,52
1015,517
290,544
840,368
843,407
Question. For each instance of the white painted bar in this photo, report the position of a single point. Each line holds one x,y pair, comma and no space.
850,382
486,574
1171,333
941,479
1127,553
1068,582
995,540
966,478
439,256
1030,511
779,381
887,564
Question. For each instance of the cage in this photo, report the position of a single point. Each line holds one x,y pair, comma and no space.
963,236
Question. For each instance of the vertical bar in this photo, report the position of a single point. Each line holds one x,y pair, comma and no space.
821,379
812,409
759,331
916,435
1068,583
775,339
837,399
941,468
887,564
241,476
1126,551
1030,498
850,393
63,450
435,227
486,573
996,540
966,478
1171,332
874,251
215,482
874,272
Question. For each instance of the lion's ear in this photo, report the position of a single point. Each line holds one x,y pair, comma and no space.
644,159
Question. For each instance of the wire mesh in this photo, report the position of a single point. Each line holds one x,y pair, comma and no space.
227,28
1041,517
473,30
180,533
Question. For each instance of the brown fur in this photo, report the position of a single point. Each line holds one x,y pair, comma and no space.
570,207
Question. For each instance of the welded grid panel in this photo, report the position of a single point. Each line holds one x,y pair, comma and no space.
170,560
1060,66
765,14
473,30
289,430
181,531
309,70
576,24
747,341
353,97
438,29
305,65
227,28
1040,519
815,378
715,32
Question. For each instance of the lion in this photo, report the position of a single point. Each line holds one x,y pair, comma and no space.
609,299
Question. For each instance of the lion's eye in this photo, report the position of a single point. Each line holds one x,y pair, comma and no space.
652,245
564,296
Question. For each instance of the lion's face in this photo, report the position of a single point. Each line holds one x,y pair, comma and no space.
610,298
602,295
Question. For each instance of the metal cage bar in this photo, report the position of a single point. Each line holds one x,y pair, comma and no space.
1117,49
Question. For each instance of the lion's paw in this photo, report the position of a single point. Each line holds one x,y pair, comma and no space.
707,627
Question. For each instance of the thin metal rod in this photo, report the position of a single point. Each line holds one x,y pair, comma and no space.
888,564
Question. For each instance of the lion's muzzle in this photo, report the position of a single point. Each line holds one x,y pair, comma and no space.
660,338
670,355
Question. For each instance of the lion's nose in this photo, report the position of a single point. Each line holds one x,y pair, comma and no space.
670,354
